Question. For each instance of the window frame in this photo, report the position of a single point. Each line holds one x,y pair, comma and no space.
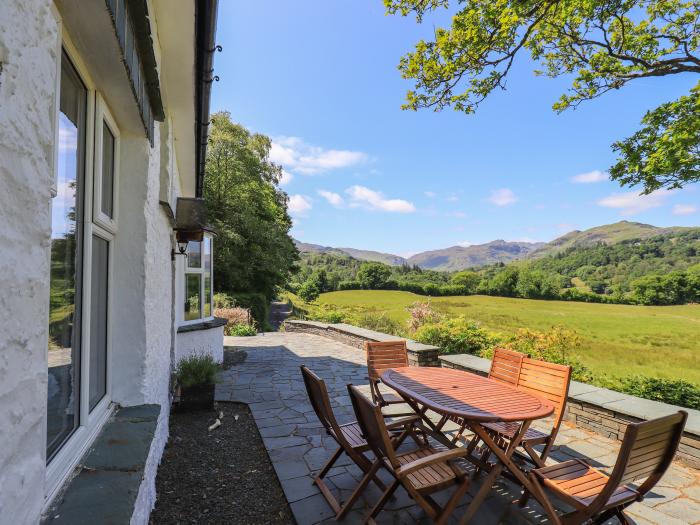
64,460
201,271
103,115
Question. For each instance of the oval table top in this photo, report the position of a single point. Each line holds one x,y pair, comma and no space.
464,395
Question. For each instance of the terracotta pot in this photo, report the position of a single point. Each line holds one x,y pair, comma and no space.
200,397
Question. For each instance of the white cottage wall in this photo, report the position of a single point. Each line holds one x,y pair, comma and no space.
28,55
202,342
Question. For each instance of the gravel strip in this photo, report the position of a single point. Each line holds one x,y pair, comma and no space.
222,476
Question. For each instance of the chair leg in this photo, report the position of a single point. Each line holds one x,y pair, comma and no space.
624,520
544,500
382,501
452,503
324,470
369,475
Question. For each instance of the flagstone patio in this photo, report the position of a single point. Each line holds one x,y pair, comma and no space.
267,378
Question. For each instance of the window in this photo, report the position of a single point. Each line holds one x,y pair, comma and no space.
65,282
106,168
198,281
83,228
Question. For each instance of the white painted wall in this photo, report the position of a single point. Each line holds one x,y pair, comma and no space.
206,342
28,38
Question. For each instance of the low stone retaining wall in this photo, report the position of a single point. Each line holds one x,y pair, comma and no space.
604,411
418,353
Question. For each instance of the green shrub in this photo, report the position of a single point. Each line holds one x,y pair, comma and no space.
379,323
456,336
555,346
240,330
221,300
349,285
258,305
673,391
197,370
309,291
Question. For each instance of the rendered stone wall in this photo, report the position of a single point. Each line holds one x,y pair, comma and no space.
28,54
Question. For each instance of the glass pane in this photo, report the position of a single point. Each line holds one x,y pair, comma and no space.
98,320
207,254
193,284
64,306
107,171
194,254
207,295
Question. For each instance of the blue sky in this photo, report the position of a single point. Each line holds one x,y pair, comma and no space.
320,78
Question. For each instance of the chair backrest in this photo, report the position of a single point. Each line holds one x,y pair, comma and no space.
384,355
318,396
369,417
646,453
547,380
505,366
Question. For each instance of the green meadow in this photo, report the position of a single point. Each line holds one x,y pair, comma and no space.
619,340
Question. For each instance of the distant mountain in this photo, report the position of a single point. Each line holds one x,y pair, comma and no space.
369,255
458,258
462,257
606,234
362,255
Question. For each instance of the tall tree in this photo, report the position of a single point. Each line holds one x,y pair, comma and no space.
601,44
253,251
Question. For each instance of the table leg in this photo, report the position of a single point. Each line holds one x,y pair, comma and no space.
504,461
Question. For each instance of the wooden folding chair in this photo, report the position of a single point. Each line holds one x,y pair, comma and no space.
505,367
380,357
349,439
646,453
421,472
549,381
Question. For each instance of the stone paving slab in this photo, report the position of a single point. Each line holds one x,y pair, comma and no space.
269,381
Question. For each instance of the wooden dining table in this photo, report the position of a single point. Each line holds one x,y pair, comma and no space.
465,397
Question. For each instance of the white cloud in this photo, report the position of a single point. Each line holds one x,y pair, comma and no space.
286,178
503,197
465,243
299,205
590,177
632,203
332,198
374,200
430,194
295,154
684,209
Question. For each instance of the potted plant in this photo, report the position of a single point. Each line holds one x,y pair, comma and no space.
195,377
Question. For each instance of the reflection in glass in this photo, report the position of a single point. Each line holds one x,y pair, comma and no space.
194,254
64,307
206,255
107,203
207,295
98,320
193,285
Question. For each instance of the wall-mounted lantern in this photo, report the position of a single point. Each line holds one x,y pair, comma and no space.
190,223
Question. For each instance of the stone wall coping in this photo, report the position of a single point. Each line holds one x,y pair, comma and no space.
207,324
618,402
363,333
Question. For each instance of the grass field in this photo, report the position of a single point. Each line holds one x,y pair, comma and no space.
618,340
